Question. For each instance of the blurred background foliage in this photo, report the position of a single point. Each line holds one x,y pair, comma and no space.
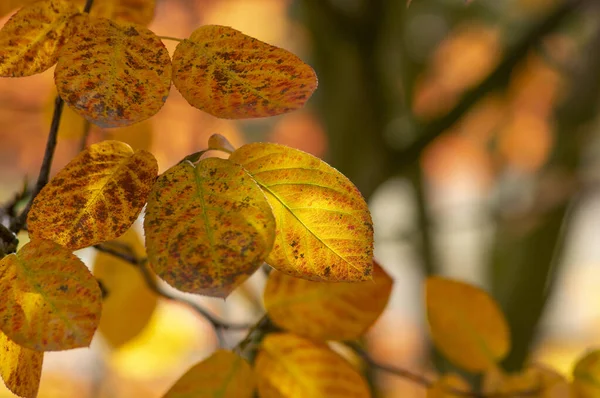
472,130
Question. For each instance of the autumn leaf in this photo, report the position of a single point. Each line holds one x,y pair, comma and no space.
449,386
32,38
290,366
51,301
95,198
7,6
140,12
20,368
538,382
230,75
130,303
586,375
326,311
324,228
466,324
208,227
223,375
113,74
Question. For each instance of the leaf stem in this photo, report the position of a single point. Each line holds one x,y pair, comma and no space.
88,6
170,38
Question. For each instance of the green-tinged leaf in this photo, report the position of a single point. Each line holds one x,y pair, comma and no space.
50,300
95,198
31,39
113,74
222,375
140,12
449,386
230,75
324,228
20,368
289,366
130,303
208,227
466,324
586,375
326,311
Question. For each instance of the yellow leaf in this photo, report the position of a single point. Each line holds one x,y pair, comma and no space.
586,375
208,227
449,386
538,382
50,300
466,324
326,311
95,198
234,76
289,366
113,74
223,375
20,368
324,228
7,6
140,12
31,39
130,303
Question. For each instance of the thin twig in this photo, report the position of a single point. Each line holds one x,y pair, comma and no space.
170,38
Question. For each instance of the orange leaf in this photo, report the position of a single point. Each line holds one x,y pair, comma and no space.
289,366
324,228
466,324
7,6
208,227
449,386
586,375
233,76
223,375
51,302
113,74
20,368
130,303
140,12
326,311
95,198
31,39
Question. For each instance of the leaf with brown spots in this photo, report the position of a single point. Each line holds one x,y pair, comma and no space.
130,303
113,74
208,227
230,75
95,198
290,366
50,300
326,311
222,375
32,38
20,368
324,228
140,12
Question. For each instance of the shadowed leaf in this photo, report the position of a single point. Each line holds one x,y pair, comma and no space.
95,198
113,74
538,382
324,228
140,12
20,368
50,300
447,386
233,76
208,227
586,375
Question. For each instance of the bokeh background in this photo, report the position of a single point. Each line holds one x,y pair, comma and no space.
471,128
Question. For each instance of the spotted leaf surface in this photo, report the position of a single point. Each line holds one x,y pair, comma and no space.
233,76
129,303
113,74
95,198
20,368
31,39
326,311
223,375
324,228
289,366
466,324
51,301
140,12
208,227
586,375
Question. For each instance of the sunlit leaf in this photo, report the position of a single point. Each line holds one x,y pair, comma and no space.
324,228
466,324
113,74
137,11
208,227
31,39
231,75
449,386
538,382
223,375
326,311
289,366
130,303
220,143
95,198
586,375
50,300
20,368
